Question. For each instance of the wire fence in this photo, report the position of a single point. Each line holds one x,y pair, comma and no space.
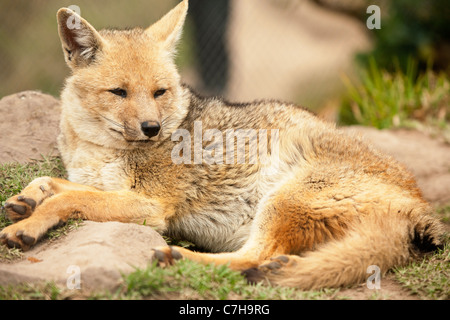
242,49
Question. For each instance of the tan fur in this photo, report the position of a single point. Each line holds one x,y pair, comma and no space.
331,207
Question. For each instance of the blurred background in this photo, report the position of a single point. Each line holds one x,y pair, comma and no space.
316,53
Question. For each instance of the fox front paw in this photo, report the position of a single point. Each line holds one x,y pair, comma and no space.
19,235
167,255
22,206
19,207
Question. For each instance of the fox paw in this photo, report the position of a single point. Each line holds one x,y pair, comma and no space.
19,235
274,266
22,206
166,256
19,207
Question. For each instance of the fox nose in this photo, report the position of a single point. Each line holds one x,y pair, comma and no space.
150,128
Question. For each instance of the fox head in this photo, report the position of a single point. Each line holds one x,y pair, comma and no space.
124,90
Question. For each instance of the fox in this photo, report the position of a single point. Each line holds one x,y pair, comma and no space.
316,213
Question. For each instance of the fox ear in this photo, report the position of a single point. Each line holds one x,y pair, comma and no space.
80,41
168,29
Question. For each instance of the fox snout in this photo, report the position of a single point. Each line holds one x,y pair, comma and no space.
150,128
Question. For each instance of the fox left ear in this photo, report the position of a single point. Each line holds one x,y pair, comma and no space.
168,29
80,41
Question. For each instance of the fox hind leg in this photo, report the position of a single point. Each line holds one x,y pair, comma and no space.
289,223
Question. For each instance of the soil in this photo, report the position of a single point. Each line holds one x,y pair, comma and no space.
29,127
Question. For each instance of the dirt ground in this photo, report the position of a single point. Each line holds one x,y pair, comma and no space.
102,250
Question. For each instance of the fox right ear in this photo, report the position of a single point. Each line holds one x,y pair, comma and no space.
80,41
167,30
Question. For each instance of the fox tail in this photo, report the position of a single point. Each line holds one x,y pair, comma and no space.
382,240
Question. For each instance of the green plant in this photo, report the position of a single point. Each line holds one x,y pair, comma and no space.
430,277
28,291
15,176
191,280
385,100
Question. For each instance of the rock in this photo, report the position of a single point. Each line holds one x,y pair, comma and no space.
29,126
98,251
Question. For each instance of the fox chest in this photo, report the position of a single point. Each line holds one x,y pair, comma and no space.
99,170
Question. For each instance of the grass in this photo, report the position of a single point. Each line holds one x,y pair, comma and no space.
389,100
427,278
430,277
184,280
13,178
40,291
58,232
10,254
444,213
204,282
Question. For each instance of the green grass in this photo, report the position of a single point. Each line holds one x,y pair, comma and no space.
63,230
430,277
191,280
27,291
10,254
13,178
397,99
444,213
184,280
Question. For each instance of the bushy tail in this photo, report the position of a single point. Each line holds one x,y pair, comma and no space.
383,240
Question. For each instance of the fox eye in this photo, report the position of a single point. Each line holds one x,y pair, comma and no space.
119,92
159,93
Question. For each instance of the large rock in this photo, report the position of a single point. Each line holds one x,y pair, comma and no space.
97,252
29,126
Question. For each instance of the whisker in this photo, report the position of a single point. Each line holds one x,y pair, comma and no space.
124,127
163,121
111,121
114,122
